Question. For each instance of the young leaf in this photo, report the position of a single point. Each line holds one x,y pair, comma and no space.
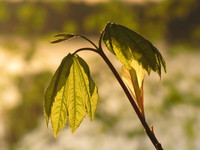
134,78
62,37
57,82
127,45
76,96
83,94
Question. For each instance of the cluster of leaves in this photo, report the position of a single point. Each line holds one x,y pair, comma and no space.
138,56
72,93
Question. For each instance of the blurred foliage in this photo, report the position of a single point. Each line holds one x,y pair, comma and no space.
70,26
135,133
10,46
183,21
189,128
109,12
186,101
4,12
176,96
174,21
30,51
108,122
26,116
31,18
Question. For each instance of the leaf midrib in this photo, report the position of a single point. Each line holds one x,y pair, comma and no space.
56,85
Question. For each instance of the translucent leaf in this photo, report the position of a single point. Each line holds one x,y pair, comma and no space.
57,82
59,112
62,37
83,92
71,94
134,78
127,45
140,72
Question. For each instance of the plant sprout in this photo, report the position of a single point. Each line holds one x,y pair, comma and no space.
72,93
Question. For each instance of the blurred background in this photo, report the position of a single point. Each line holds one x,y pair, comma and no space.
28,61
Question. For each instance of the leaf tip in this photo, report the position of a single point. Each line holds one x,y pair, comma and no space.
55,134
91,118
47,119
73,129
47,123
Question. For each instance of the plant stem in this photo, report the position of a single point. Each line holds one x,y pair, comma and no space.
86,48
149,131
88,40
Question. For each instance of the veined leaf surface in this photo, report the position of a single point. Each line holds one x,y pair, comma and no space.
128,45
57,82
134,78
83,93
76,97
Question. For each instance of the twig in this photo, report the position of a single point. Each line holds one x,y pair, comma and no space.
149,131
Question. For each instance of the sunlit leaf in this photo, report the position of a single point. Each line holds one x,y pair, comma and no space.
128,45
83,93
140,72
134,78
62,37
57,82
71,94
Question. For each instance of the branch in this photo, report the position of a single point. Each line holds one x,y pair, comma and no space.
86,48
149,131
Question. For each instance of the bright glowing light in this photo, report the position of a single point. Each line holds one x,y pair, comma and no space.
15,66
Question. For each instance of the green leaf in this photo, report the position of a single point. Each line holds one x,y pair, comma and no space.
76,97
128,45
57,82
134,79
83,96
62,37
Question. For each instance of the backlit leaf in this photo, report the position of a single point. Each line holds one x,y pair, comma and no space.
71,94
128,45
57,82
134,78
62,37
83,96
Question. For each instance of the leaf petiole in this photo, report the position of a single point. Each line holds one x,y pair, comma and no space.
88,40
86,48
